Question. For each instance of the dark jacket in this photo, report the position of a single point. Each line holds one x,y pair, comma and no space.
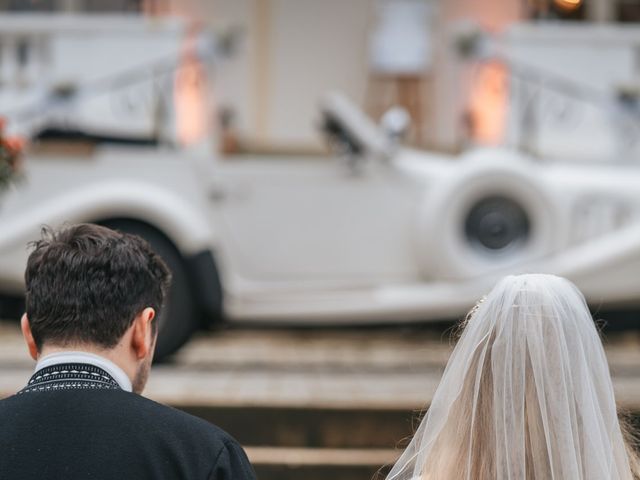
74,422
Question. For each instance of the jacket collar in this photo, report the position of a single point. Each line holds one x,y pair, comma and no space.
78,356
70,376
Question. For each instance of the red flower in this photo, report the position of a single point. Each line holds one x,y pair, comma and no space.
11,149
14,144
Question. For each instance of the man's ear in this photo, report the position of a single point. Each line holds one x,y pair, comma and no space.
28,337
142,338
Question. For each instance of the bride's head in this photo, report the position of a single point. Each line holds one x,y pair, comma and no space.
526,394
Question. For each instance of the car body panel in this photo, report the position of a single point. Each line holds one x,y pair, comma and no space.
111,184
372,237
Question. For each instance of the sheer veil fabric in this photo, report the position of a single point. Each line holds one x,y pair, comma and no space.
526,394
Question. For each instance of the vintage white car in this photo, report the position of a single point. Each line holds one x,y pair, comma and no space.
377,233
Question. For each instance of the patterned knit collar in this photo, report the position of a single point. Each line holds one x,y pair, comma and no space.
70,376
84,357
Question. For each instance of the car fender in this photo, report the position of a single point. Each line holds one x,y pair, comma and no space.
181,220
442,248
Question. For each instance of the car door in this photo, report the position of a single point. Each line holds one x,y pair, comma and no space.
314,220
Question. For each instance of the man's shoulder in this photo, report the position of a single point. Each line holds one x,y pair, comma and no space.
136,410
154,411
148,413
116,423
187,432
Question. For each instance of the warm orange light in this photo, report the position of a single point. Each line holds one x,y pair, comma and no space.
488,104
191,96
568,5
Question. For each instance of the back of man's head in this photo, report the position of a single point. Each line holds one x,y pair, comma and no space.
85,284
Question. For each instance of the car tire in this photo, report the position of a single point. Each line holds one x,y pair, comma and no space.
179,318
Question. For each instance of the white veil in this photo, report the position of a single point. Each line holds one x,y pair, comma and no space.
526,394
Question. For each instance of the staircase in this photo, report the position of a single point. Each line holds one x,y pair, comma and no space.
311,405
316,443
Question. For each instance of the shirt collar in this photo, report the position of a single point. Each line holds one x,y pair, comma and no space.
90,358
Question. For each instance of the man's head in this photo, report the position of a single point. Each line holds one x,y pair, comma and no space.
92,288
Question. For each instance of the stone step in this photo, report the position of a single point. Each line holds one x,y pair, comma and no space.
325,404
294,443
350,428
319,444
320,464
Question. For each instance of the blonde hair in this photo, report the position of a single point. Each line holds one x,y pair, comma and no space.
632,444
463,448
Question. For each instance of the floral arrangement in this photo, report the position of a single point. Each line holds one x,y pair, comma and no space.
11,149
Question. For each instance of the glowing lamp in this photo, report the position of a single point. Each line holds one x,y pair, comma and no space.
568,5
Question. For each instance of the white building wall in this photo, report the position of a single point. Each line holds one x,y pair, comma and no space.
291,53
313,47
294,50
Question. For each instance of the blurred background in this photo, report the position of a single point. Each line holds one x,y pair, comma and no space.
281,56
333,183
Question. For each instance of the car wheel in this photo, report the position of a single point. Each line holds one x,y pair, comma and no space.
179,317
487,219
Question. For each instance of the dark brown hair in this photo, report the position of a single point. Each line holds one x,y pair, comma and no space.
86,284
